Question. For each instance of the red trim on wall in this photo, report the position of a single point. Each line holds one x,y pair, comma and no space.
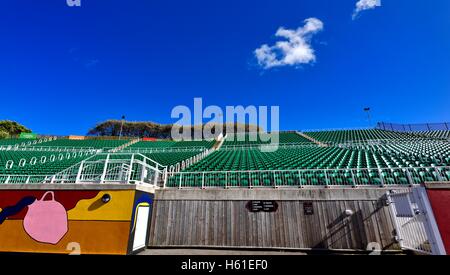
440,203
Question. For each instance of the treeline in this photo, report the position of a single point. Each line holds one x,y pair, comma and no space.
160,131
10,128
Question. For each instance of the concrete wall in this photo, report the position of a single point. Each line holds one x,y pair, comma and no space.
220,218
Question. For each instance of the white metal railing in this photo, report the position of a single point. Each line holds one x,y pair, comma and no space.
381,142
267,146
62,156
114,168
190,161
48,148
335,129
415,225
164,149
308,177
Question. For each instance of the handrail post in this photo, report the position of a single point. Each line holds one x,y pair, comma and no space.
439,176
80,169
274,181
226,180
131,169
102,178
203,180
381,177
353,178
326,179
300,179
408,176
181,176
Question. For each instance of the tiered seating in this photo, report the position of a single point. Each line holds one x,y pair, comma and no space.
429,153
344,136
343,166
45,164
86,143
11,141
254,139
175,144
442,134
170,158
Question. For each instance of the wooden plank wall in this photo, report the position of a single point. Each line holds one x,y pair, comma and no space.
227,223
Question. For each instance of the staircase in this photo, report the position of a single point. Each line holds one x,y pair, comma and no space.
312,139
121,147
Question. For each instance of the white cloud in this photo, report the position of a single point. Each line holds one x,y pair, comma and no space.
295,50
362,5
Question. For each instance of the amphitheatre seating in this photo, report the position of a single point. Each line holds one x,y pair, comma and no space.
12,141
46,163
254,139
417,153
441,134
343,136
174,144
170,158
85,143
341,167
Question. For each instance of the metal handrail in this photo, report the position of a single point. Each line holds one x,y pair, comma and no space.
313,170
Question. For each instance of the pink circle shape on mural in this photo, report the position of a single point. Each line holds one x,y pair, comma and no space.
46,221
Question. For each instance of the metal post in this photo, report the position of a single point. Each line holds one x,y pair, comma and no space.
203,180
131,169
165,178
408,175
80,169
226,180
439,176
380,172
102,178
326,178
353,178
181,176
300,179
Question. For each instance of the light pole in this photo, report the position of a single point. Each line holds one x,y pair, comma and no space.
121,127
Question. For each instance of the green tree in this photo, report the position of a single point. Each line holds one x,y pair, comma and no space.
13,128
4,134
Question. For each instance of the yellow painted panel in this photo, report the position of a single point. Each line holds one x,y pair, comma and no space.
93,237
119,208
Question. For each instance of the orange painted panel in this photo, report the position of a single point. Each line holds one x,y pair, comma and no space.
119,208
93,237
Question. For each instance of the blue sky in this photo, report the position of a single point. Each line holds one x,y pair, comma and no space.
63,69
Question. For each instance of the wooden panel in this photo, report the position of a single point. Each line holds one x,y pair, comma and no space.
226,223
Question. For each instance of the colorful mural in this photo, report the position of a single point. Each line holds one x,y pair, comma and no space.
46,220
69,221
